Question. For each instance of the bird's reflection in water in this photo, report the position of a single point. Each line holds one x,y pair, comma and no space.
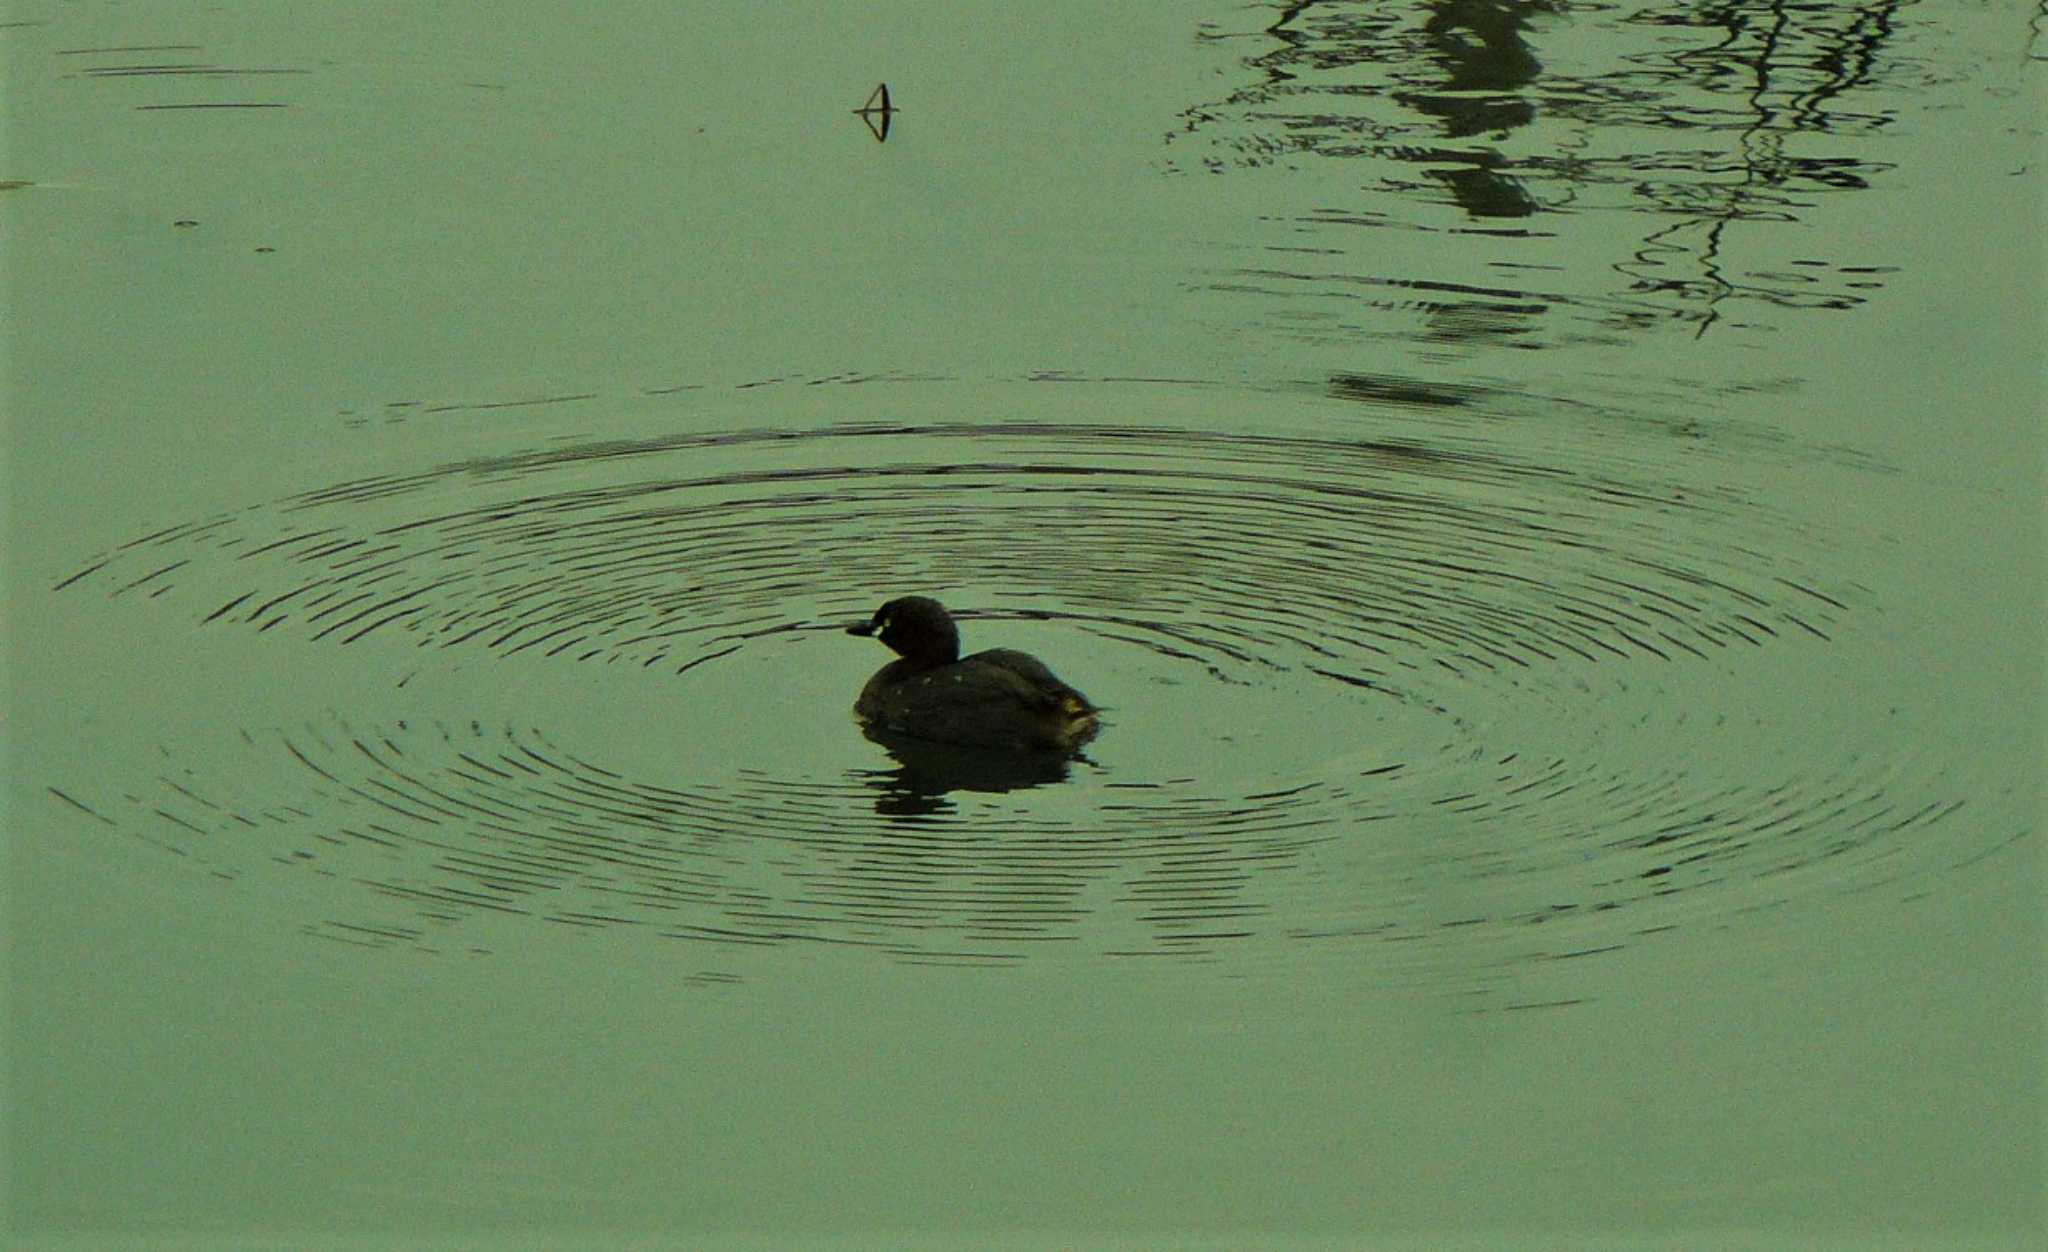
926,772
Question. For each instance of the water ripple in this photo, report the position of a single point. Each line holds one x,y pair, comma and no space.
1406,636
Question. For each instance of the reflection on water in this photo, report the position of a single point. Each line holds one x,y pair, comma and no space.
1713,127
927,772
1429,689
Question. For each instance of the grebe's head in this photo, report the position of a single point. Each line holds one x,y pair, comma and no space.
917,628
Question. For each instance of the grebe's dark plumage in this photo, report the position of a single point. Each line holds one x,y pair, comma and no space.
995,699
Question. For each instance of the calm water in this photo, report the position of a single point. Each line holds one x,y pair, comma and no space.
1548,493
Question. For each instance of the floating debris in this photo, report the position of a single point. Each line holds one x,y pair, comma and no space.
877,112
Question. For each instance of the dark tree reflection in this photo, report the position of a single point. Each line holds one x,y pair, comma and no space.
1718,123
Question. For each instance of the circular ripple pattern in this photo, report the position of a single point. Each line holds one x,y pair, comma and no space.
1375,557
1342,579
